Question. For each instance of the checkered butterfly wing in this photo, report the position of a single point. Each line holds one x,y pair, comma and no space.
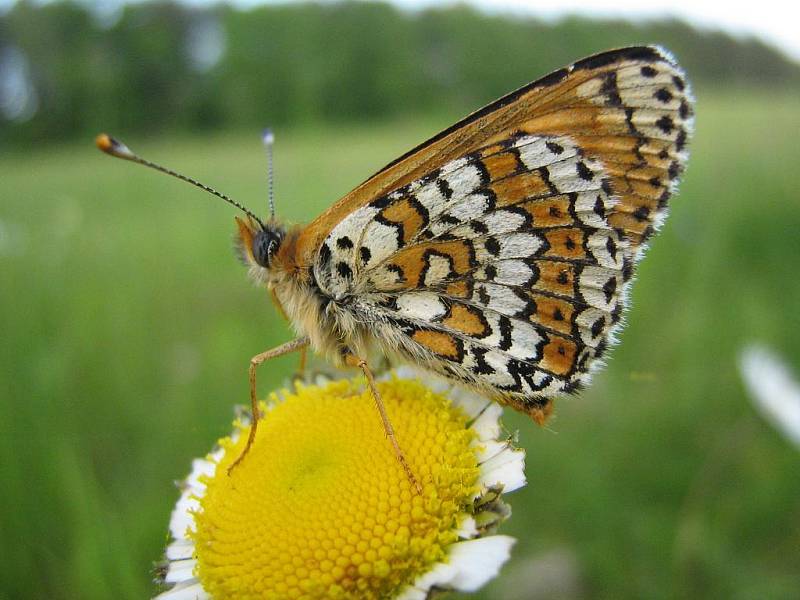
499,252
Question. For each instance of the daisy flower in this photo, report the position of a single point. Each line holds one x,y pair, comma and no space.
321,508
773,388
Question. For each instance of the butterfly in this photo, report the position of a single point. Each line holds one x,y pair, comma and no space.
499,252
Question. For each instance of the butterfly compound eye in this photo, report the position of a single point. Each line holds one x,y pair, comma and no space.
265,244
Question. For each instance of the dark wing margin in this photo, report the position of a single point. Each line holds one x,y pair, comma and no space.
644,54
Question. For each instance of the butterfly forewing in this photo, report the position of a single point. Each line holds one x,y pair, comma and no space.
498,253
630,106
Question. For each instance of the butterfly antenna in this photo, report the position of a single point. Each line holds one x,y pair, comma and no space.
269,139
113,147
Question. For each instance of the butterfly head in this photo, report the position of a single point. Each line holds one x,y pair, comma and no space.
258,242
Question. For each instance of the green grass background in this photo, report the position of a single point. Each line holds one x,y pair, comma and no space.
127,325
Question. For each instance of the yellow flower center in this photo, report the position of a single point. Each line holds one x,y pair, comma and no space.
321,508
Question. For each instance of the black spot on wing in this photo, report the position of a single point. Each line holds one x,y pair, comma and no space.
641,214
665,124
479,227
611,247
483,173
505,333
324,255
680,141
599,207
609,287
610,90
381,202
344,243
648,72
663,95
492,246
481,367
449,219
545,174
616,314
584,172
420,209
397,270
519,166
344,270
627,269
444,188
597,326
483,296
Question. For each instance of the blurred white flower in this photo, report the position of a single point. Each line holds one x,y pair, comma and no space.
773,388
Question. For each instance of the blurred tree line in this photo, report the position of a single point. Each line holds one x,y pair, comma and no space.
70,68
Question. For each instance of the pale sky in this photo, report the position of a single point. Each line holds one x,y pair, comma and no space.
774,21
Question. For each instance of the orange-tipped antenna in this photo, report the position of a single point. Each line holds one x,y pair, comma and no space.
113,147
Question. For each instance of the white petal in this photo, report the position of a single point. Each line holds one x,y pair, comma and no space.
188,591
487,425
200,468
180,571
181,519
469,566
431,381
470,403
773,389
180,549
485,450
506,468
468,529
215,456
478,561
412,593
440,575
403,372
321,379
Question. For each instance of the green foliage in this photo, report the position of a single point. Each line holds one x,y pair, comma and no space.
305,63
127,326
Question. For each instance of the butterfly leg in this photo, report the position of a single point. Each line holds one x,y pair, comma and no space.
288,347
301,368
387,425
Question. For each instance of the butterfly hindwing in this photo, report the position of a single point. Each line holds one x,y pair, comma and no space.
506,266
499,269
